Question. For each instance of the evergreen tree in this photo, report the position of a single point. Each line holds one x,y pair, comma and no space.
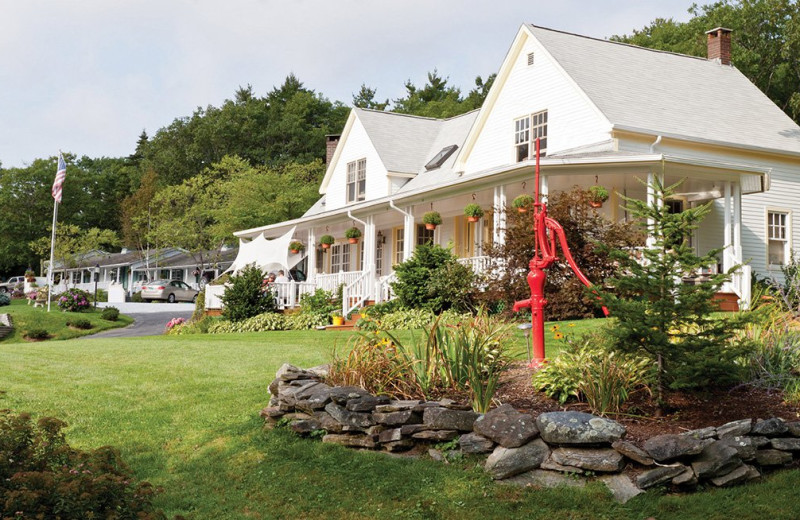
659,316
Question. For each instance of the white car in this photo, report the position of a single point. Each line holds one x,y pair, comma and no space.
11,283
170,290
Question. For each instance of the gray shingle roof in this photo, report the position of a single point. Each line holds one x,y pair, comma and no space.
667,93
401,140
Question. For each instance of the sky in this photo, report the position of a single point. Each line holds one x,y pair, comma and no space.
87,76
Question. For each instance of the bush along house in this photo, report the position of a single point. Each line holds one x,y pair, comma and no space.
607,114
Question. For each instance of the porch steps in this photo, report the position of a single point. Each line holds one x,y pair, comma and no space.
728,302
348,324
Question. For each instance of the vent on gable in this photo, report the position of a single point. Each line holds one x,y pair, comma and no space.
530,59
441,157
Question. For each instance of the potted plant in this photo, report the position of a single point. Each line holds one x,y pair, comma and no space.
296,247
522,202
352,235
597,196
326,241
30,276
431,219
473,212
337,318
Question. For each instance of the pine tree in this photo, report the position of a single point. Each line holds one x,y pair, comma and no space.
659,316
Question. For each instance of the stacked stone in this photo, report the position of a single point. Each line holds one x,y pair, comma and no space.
548,450
351,416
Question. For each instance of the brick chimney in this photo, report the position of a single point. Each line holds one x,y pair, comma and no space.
331,141
719,45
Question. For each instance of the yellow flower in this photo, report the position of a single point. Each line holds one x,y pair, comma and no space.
555,328
558,335
571,325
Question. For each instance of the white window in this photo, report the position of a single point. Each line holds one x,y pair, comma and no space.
778,242
526,130
399,245
356,180
424,235
379,257
340,258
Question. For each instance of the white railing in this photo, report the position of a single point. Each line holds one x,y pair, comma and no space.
88,286
331,282
383,288
740,282
287,294
214,296
355,294
479,264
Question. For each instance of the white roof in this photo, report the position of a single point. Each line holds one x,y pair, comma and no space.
671,94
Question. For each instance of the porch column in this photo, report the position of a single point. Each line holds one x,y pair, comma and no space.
651,200
737,222
544,190
370,243
727,253
408,232
312,256
499,229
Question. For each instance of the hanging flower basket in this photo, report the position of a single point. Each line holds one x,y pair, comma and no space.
597,196
352,235
431,219
296,247
326,241
473,212
522,203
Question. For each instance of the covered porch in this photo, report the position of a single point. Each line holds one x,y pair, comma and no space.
392,228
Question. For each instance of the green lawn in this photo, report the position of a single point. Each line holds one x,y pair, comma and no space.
26,317
184,412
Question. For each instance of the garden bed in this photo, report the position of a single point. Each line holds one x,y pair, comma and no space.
685,411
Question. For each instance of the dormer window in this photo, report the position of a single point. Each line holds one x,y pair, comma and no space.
526,130
356,180
439,159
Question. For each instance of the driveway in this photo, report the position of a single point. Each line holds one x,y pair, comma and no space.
149,318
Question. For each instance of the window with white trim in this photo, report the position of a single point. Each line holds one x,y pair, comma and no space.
399,245
424,235
340,258
356,180
526,130
778,233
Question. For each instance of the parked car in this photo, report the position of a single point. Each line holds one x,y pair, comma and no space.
169,290
11,283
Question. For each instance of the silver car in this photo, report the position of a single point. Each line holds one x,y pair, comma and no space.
169,290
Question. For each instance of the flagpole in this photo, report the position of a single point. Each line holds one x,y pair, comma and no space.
52,254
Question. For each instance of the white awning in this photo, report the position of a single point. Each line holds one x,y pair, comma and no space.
267,255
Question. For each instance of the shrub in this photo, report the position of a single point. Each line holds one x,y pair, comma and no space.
433,279
73,300
260,323
5,299
587,372
174,322
246,297
36,334
585,231
41,476
352,232
774,357
110,314
301,321
80,323
102,295
318,302
137,297
432,217
199,305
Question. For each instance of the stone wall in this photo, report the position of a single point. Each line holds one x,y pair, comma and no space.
547,450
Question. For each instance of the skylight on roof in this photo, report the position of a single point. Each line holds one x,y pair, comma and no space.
441,157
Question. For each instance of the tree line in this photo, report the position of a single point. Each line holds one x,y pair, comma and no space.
256,160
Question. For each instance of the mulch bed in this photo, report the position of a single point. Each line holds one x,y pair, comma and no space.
685,411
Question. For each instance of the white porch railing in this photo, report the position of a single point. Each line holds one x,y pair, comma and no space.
479,264
88,286
383,288
355,293
287,294
331,282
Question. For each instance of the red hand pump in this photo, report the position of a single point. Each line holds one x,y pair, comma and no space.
545,231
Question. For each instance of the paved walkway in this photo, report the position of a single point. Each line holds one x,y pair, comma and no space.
149,318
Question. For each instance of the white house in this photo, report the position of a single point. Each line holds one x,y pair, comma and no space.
607,113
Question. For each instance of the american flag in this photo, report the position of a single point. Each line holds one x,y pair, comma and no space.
60,176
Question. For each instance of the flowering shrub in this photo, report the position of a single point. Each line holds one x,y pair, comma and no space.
175,322
73,300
